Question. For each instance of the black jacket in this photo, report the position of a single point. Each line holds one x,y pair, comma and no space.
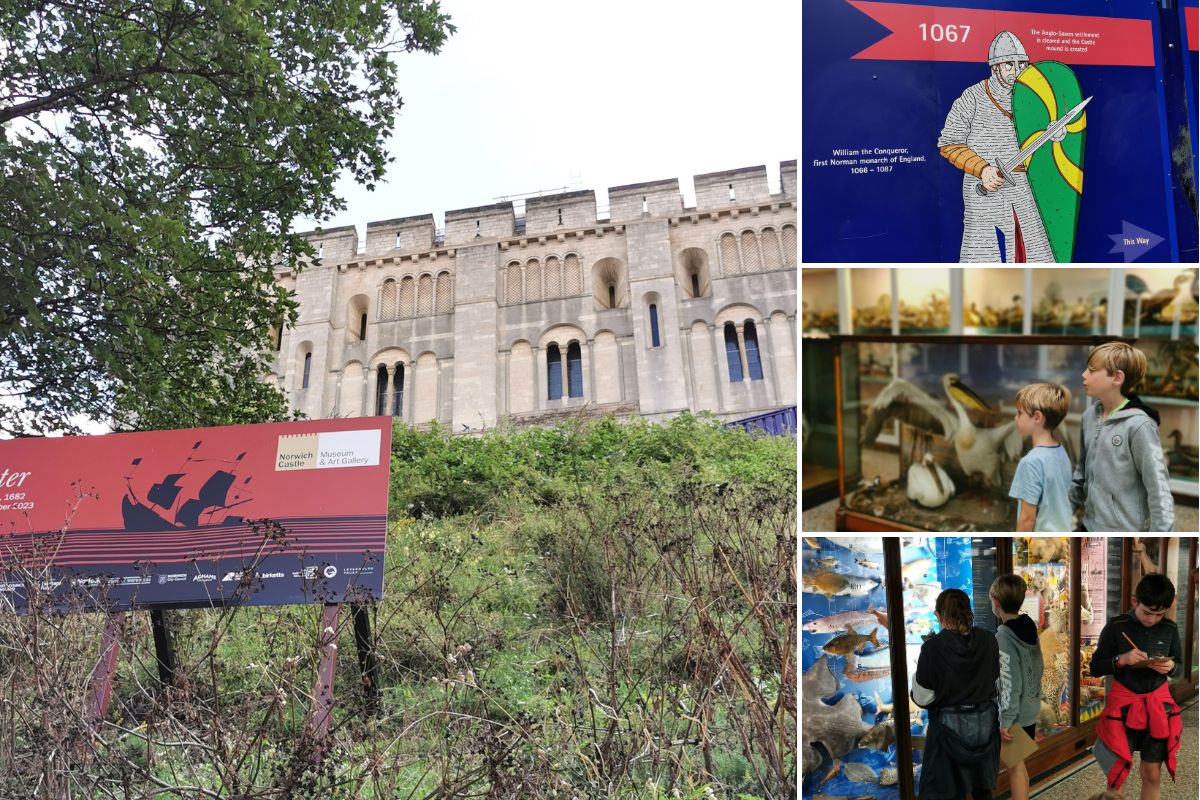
1162,636
962,742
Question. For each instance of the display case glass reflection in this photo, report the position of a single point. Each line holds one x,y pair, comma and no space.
848,740
923,300
993,300
819,305
1070,301
1043,562
927,476
1180,578
1100,601
1156,300
818,416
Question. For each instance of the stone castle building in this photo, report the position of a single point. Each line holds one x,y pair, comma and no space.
652,310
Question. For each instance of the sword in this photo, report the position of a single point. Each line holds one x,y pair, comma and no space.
1051,130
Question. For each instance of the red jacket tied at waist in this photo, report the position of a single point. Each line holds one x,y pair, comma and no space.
1148,712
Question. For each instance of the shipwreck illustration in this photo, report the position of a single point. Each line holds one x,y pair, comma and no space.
167,506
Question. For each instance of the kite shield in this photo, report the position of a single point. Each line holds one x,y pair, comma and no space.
1043,92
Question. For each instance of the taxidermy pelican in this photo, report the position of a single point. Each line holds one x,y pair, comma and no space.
928,483
979,449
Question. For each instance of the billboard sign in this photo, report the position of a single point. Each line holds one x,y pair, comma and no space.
985,131
265,514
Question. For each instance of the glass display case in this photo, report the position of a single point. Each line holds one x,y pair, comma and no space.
864,595
818,424
950,400
922,300
993,301
1070,301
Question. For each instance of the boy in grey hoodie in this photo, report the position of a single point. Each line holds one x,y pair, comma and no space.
1121,478
1020,681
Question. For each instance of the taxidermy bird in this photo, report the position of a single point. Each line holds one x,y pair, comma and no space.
928,483
1189,453
971,317
1159,301
979,449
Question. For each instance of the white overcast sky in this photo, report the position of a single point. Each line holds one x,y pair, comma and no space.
539,94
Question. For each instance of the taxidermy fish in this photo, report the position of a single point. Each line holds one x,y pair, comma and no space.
913,570
859,773
919,626
888,708
927,593
835,584
881,736
840,622
812,542
837,726
889,776
864,675
829,562
850,642
862,562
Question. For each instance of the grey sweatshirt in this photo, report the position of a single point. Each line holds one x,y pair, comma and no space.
1121,478
1020,680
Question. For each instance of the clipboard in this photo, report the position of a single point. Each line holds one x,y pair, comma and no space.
1019,749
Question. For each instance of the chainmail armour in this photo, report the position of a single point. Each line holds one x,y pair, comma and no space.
975,120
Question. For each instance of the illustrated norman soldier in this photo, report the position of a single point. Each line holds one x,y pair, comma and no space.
1001,221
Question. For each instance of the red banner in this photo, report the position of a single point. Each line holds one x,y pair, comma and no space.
935,33
1193,26
255,514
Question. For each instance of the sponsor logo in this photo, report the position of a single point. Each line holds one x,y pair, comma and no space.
358,571
329,571
262,576
308,573
174,577
204,578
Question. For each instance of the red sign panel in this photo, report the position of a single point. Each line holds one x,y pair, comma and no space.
279,513
937,33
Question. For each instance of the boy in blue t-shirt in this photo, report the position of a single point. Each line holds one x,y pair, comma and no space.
1042,484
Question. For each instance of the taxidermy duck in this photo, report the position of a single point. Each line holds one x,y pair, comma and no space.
928,483
1189,453
979,449
971,317
1014,315
1159,303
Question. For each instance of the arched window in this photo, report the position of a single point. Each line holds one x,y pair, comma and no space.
387,300
574,370
572,278
751,260
533,280
307,370
553,274
381,390
445,293
654,340
362,326
729,255
408,297
753,360
612,296
425,296
553,372
732,354
398,391
772,256
512,283
789,244
695,284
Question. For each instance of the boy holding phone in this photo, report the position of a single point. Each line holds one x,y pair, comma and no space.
1141,650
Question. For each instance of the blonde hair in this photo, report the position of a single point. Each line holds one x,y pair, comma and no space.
1113,356
1009,591
1049,398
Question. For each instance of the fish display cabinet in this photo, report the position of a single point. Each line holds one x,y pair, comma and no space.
867,606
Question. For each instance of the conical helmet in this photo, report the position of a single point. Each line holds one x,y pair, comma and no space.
1006,47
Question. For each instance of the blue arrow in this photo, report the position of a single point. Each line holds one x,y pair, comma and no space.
1133,242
